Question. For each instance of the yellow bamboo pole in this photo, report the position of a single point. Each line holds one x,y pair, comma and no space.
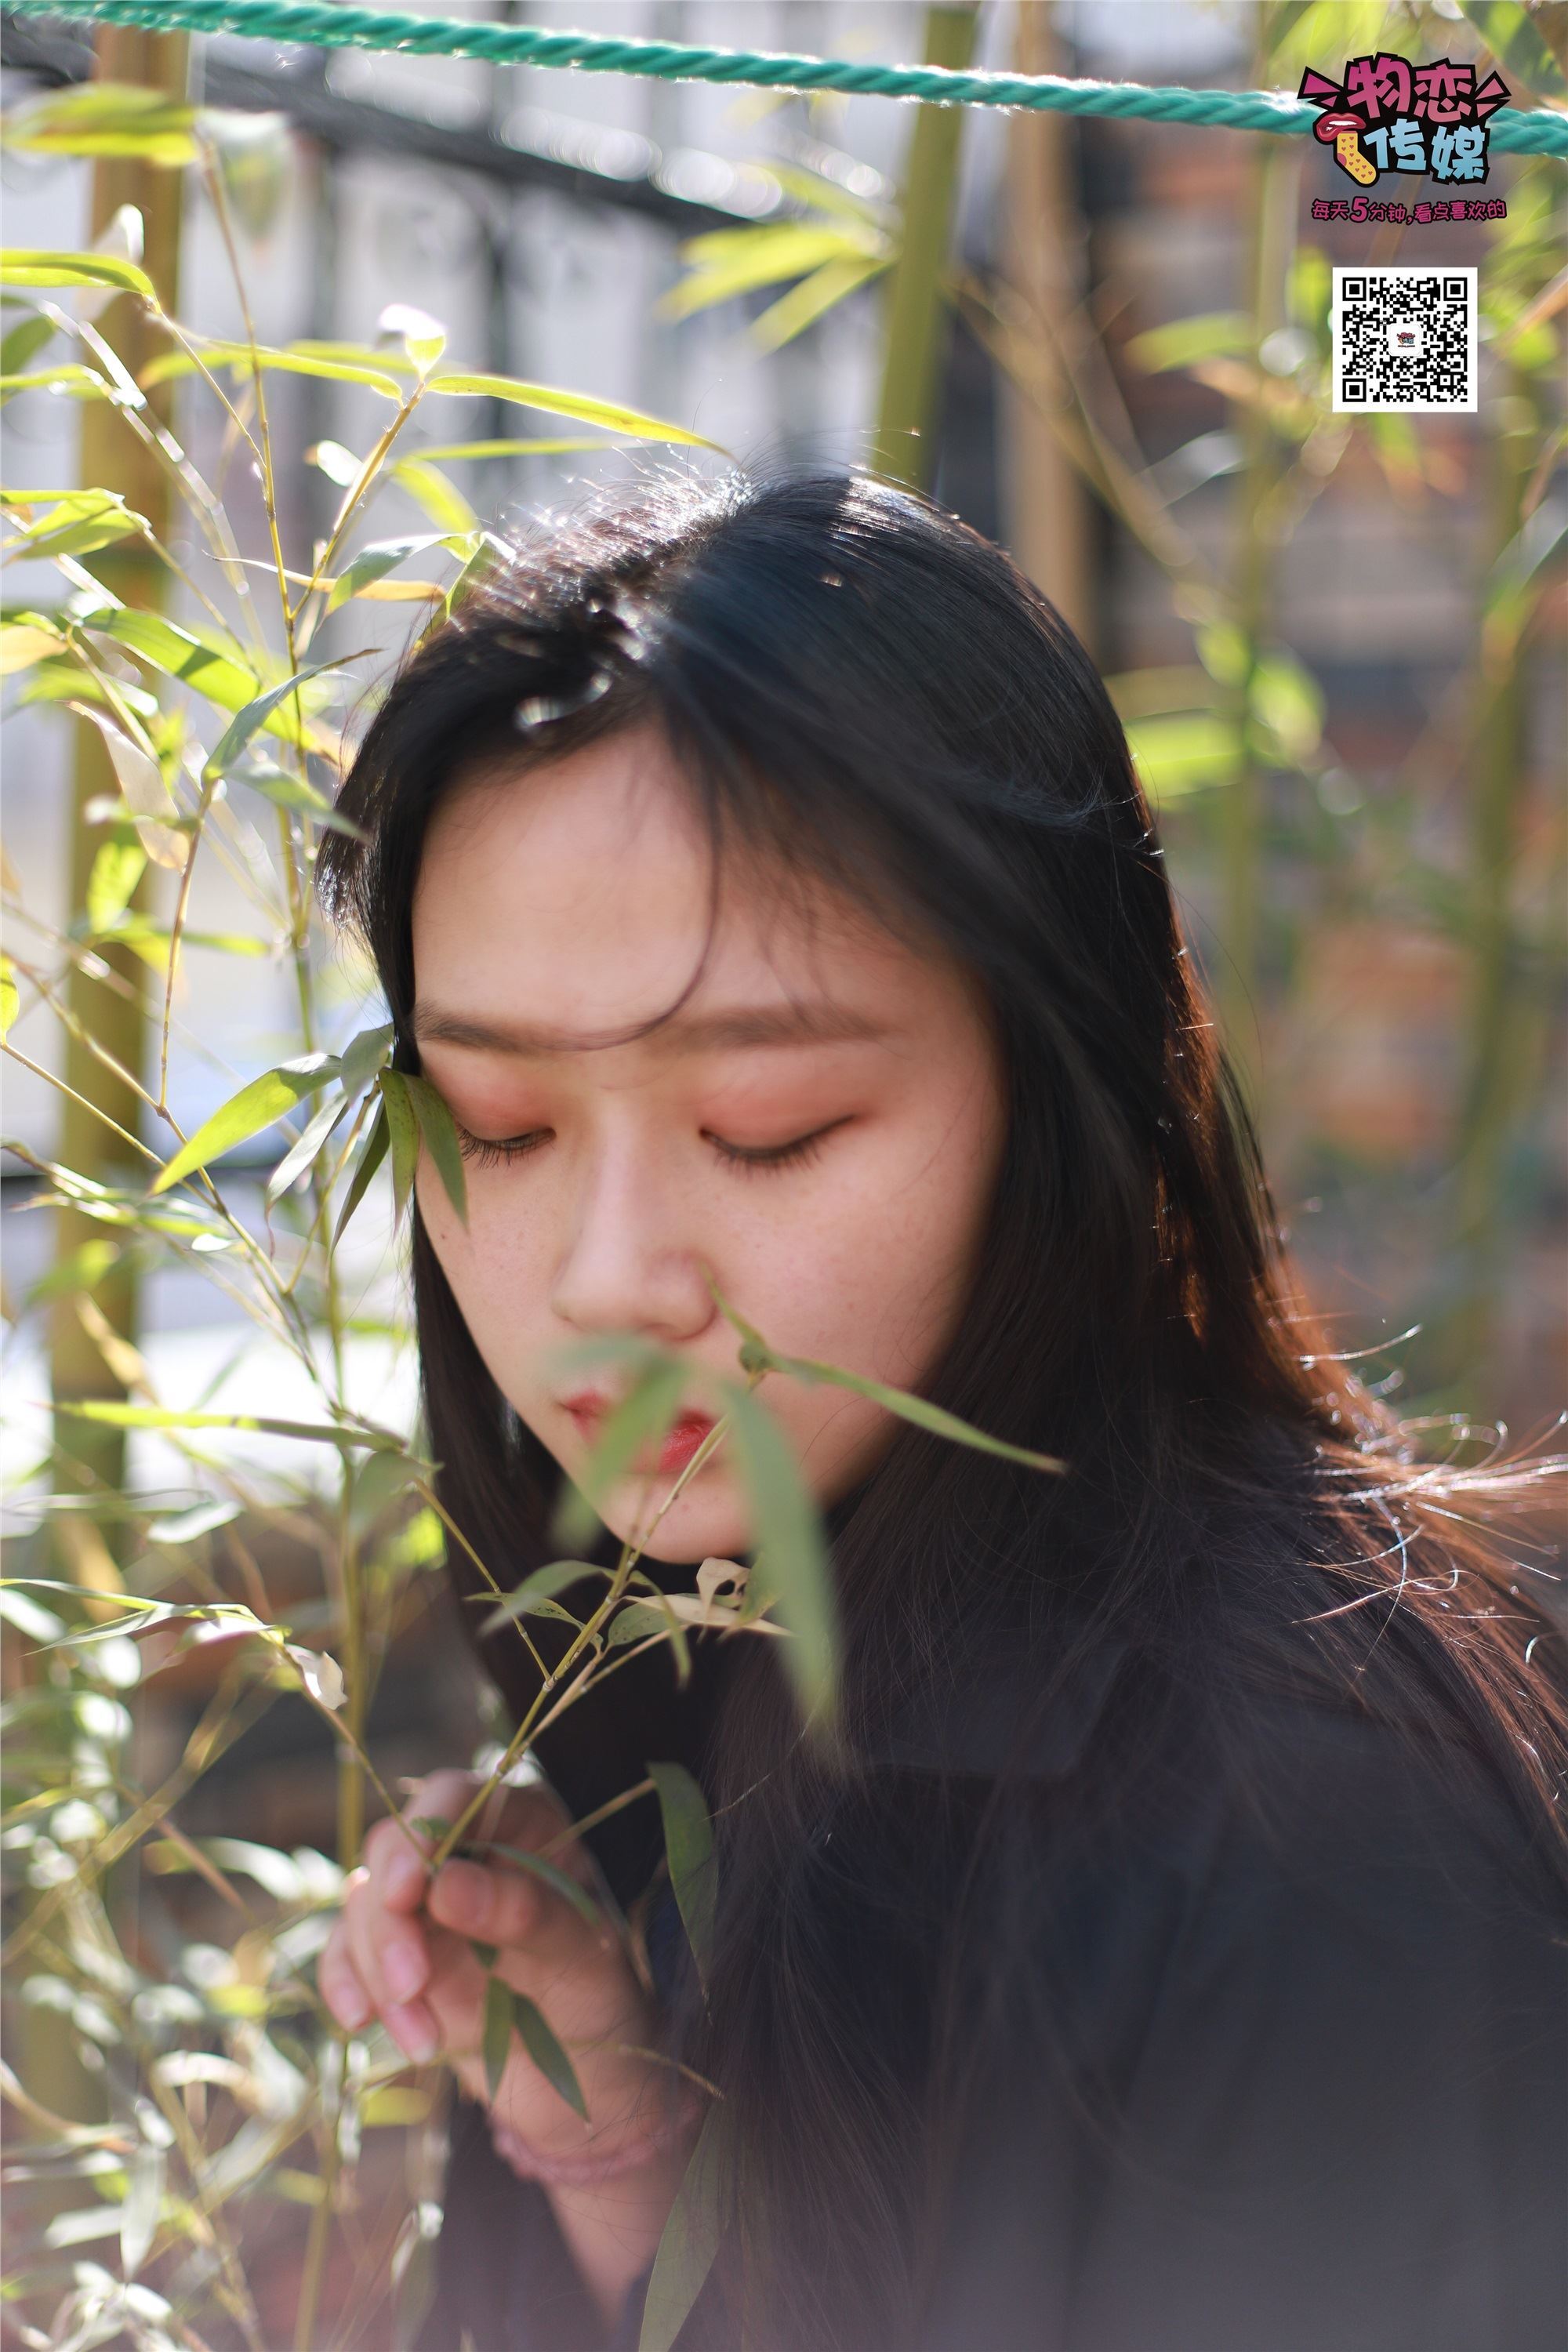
903,445
111,1010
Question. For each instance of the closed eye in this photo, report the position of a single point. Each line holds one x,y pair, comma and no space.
488,1151
758,1159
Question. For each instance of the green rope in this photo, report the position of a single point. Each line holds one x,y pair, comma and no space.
330,27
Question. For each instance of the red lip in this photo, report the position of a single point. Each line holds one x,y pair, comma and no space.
681,1440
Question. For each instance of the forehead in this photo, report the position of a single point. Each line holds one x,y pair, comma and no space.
582,894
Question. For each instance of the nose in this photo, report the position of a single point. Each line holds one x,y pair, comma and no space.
630,1263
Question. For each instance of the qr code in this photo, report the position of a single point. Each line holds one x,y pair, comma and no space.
1404,339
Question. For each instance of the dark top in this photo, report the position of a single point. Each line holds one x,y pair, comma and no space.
1316,1979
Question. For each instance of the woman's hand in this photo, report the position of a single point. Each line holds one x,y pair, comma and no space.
403,1950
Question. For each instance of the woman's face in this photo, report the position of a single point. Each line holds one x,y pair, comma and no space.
818,1126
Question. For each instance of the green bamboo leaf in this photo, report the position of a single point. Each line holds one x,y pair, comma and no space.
80,523
255,715
370,1160
1217,334
365,1055
917,1409
558,1576
106,119
791,1566
690,2244
1179,755
639,1420
68,376
32,266
555,402
380,1479
403,1127
547,2054
225,680
497,2043
24,342
427,486
549,1874
439,1131
286,792
254,1107
689,1850
149,1416
736,261
802,307
374,561
447,450
302,1153
375,370
10,998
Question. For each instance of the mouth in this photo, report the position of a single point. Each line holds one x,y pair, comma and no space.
686,1433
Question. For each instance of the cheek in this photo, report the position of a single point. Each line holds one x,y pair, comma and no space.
495,1268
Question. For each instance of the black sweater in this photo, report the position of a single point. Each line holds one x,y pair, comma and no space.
1310,1981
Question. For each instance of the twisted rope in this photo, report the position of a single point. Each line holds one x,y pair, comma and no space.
325,26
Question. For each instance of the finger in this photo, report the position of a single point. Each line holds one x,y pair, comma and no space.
388,1947
339,1984
412,2027
395,1866
497,1907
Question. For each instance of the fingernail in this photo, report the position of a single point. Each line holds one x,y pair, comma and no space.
413,2034
351,2008
404,1968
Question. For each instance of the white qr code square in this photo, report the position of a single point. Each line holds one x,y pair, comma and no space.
1404,339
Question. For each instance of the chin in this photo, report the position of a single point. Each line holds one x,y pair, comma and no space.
698,1526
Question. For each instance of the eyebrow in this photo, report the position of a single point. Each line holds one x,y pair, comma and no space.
726,1029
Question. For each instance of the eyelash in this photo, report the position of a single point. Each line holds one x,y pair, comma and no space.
501,1152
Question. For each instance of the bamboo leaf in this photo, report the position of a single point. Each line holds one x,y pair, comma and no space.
31,266
106,119
255,715
78,524
689,1850
690,2244
321,1675
608,414
639,1420
1217,334
440,1131
427,486
791,1566
800,307
1179,755
558,1576
548,1873
374,561
370,1160
365,1054
497,2043
149,1416
254,1107
375,371
917,1409
403,1128
301,1154
547,2053
447,450
737,261
380,1479
10,997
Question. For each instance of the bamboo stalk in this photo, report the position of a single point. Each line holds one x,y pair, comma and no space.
904,446
112,1012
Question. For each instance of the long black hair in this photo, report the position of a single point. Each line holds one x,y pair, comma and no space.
854,680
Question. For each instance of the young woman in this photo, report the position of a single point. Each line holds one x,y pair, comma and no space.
1171,1958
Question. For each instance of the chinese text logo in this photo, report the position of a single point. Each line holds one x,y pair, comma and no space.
1388,115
